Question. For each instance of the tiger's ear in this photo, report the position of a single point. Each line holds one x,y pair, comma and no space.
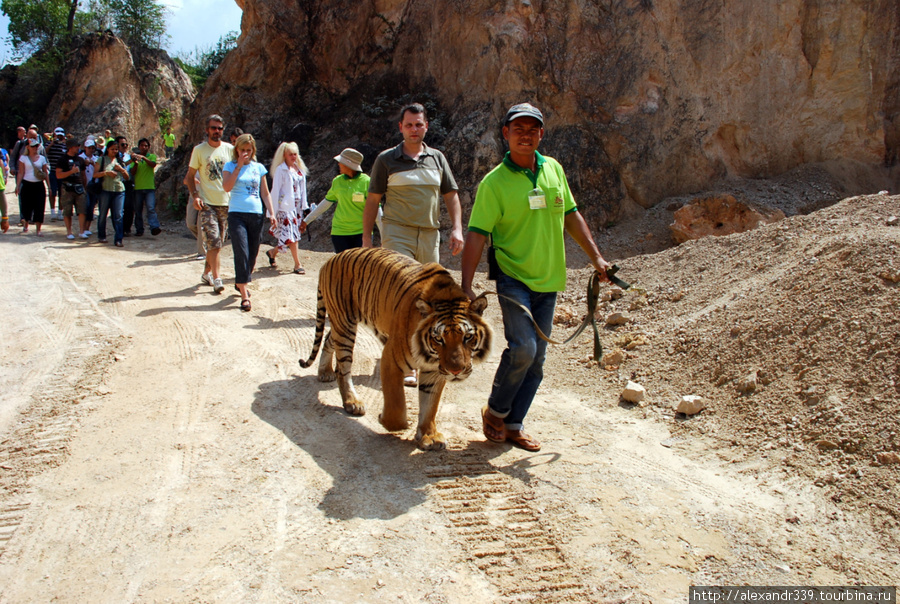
478,305
424,307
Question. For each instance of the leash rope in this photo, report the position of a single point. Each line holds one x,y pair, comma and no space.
593,294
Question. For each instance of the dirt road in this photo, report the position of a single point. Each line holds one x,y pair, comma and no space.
158,445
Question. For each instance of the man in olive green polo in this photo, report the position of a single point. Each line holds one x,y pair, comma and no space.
526,206
411,179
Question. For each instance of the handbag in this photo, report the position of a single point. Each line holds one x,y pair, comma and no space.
39,174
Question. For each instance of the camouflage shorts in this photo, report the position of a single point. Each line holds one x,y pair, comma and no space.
214,224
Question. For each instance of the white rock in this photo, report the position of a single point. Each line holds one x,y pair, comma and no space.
690,404
634,392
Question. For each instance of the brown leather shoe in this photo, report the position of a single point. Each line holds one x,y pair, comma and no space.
523,441
493,427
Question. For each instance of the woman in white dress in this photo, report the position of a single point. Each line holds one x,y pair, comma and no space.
289,198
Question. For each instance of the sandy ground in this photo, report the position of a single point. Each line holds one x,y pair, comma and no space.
158,445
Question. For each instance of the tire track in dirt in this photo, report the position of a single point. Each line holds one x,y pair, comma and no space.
61,393
497,522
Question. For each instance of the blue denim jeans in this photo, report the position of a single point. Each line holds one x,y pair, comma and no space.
245,229
111,201
148,197
522,363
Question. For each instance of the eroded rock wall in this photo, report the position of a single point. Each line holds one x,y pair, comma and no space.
643,98
105,86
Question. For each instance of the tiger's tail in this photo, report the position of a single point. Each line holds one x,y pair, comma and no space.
321,311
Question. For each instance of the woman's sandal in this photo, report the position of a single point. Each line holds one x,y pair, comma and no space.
271,258
299,271
245,304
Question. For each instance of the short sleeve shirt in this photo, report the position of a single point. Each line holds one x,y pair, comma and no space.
169,140
412,187
245,193
525,215
65,164
350,196
143,174
209,161
55,151
115,183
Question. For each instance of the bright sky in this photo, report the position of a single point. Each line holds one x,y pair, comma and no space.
192,23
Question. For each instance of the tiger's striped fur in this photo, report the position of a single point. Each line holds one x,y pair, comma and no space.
420,314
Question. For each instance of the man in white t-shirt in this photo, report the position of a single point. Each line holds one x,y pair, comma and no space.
210,199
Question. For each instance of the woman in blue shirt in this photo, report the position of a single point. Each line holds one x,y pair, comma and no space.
245,179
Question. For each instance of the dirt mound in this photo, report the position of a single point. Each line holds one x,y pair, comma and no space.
791,334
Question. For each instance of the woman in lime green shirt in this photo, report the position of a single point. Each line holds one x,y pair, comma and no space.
348,190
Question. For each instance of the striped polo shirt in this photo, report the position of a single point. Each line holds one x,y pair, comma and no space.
412,188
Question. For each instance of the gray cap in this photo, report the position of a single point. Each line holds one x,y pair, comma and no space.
350,158
523,110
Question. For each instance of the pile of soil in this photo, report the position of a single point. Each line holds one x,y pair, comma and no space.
789,333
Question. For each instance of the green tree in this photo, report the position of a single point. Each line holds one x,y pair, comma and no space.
140,23
38,25
200,63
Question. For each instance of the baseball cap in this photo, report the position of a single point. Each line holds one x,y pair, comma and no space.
59,132
350,158
33,142
89,142
523,110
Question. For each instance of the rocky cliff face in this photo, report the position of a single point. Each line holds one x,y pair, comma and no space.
643,98
105,86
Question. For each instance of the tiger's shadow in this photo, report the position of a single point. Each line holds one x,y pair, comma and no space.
376,474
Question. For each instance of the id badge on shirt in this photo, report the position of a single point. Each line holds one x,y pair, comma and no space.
536,200
358,198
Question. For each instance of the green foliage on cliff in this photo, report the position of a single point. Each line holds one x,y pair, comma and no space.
139,23
49,26
201,62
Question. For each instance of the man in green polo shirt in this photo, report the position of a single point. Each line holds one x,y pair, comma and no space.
525,205
143,166
169,142
412,178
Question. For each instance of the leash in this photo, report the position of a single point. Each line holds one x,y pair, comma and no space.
593,295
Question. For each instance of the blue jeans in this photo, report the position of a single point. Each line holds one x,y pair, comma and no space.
522,363
111,201
90,205
245,229
142,196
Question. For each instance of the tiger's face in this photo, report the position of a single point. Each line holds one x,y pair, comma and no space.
451,337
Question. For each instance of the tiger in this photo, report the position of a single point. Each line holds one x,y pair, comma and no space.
422,317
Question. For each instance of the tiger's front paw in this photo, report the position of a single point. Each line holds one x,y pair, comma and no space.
431,442
354,406
327,375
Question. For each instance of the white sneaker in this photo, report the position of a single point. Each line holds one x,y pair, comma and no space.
54,215
70,236
85,235
207,278
88,233
217,286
